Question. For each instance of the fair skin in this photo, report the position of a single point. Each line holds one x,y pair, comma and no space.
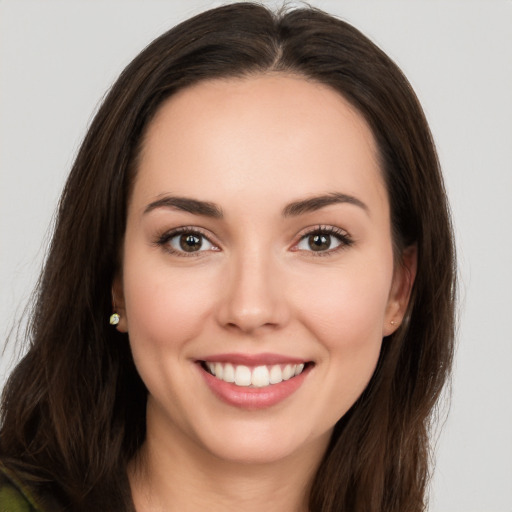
259,277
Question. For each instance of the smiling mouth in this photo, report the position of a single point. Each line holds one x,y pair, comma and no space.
253,377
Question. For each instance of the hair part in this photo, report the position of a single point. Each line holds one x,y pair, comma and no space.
73,411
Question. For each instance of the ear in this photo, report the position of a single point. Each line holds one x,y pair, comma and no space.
118,303
403,280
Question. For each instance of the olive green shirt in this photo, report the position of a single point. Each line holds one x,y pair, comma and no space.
13,496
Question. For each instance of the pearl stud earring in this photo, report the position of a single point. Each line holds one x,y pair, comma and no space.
114,319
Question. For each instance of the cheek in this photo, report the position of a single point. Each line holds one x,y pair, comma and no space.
165,306
346,305
344,312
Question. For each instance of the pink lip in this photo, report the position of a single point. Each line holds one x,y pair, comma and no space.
253,398
253,359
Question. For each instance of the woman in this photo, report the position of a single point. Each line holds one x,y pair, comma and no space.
258,208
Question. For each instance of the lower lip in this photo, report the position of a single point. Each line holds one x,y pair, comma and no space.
253,398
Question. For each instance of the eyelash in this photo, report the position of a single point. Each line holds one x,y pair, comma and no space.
164,239
344,239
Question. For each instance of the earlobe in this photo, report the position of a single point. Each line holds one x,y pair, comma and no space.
403,281
118,317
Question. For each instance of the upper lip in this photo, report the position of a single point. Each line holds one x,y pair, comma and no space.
253,359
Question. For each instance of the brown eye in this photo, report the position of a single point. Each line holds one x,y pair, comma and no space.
324,240
186,242
190,242
319,242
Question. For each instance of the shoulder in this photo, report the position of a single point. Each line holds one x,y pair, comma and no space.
14,497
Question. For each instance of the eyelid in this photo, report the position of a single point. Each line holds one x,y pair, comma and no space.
162,240
342,235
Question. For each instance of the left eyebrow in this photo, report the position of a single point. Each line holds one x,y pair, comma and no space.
317,202
186,204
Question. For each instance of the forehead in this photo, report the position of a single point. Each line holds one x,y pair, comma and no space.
270,133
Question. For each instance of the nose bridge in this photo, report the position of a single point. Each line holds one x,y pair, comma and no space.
253,296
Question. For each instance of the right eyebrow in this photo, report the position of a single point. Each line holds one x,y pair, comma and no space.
186,204
318,202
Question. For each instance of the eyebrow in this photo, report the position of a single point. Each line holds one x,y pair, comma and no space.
317,202
187,205
294,209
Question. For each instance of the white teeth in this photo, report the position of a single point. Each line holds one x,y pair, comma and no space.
276,375
288,372
229,373
242,376
219,370
211,367
259,376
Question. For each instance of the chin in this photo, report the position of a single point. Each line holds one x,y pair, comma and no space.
250,443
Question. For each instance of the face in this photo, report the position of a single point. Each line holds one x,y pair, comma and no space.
258,249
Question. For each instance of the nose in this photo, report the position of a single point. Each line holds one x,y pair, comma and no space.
254,299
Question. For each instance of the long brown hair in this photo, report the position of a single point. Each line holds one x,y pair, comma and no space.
73,410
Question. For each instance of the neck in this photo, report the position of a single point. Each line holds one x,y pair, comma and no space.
169,476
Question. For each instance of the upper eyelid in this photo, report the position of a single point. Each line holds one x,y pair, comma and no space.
171,233
318,228
344,236
187,229
323,228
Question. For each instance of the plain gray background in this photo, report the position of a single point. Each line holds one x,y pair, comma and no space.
58,57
